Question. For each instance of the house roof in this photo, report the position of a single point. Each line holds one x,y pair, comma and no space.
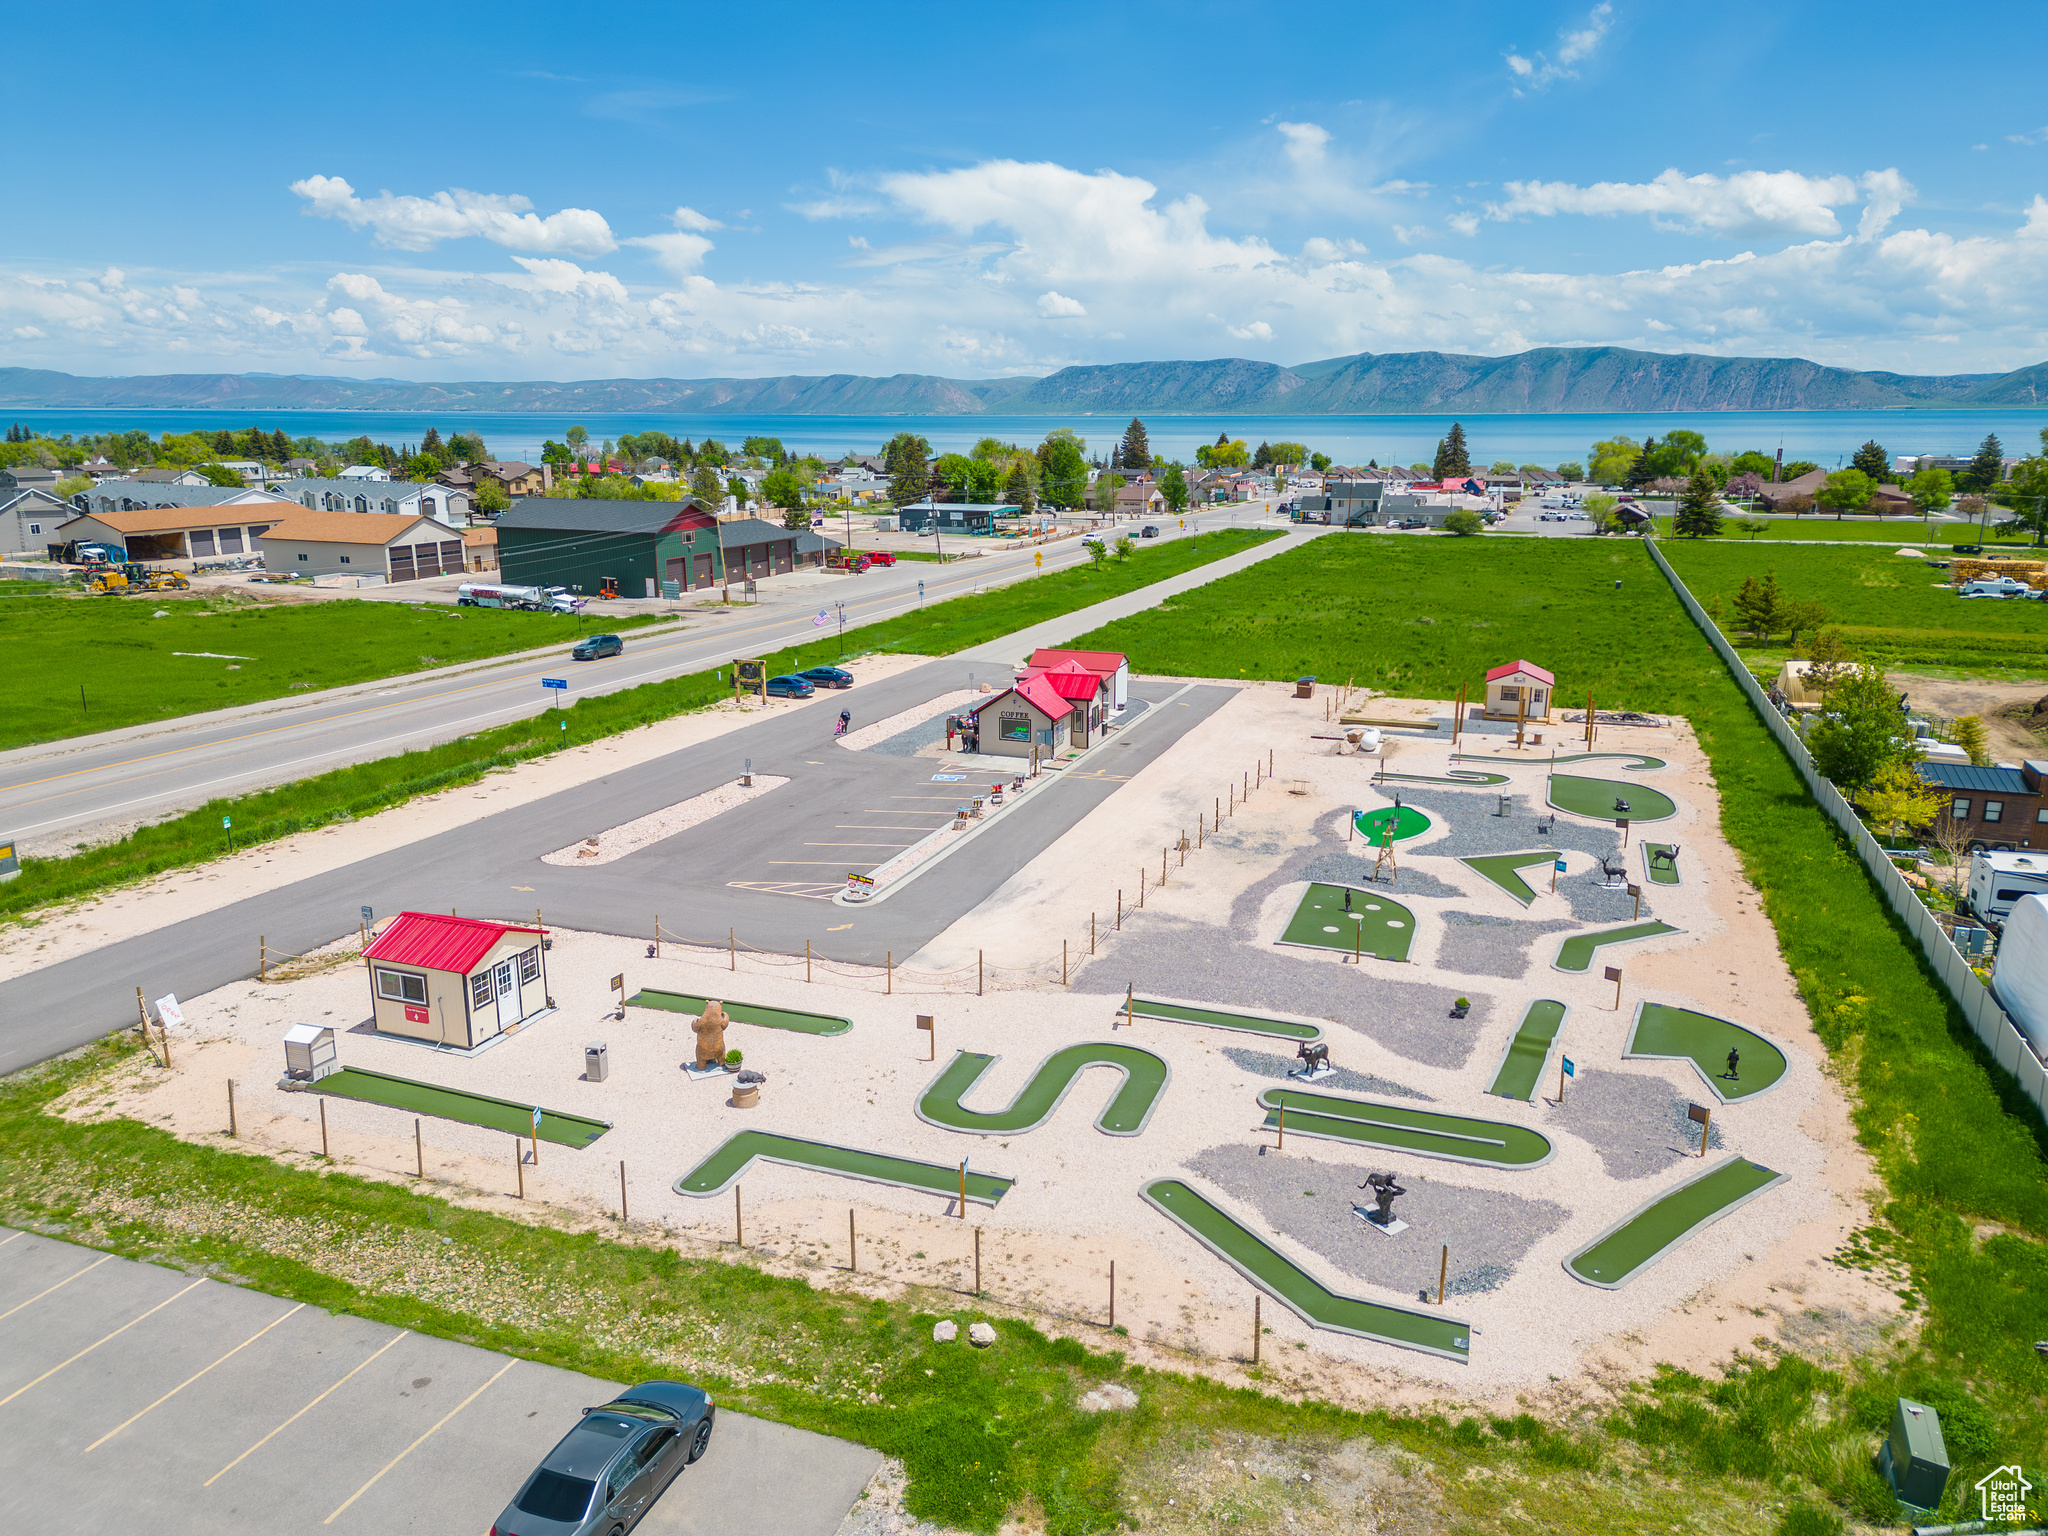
1079,685
1094,661
1036,692
397,490
157,495
438,943
176,519
1510,668
303,525
580,514
1989,781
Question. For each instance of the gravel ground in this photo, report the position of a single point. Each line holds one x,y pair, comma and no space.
1478,945
1636,1124
1311,1202
1329,859
1340,1077
1474,830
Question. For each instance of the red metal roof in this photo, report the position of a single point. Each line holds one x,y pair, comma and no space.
1033,691
1509,668
1094,661
439,943
1078,684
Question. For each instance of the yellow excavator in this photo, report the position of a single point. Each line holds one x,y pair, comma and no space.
106,580
166,581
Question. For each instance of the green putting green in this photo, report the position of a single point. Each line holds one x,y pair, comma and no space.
1457,778
1521,1065
1407,822
743,1013
740,1150
1144,1079
1596,798
1628,762
1660,863
1654,1228
1489,1143
1216,1018
1576,952
1664,1033
1503,869
1299,1291
460,1105
1375,925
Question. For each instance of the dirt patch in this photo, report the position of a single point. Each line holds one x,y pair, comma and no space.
2010,740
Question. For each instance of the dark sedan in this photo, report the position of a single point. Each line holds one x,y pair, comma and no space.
789,688
827,677
607,1472
594,646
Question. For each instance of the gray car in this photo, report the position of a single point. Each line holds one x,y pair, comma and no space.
608,1471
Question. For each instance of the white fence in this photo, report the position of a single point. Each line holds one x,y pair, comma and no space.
1990,1021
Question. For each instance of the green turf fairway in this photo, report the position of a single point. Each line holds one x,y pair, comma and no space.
1299,1291
1407,821
1457,778
458,1104
739,1151
1576,952
744,1013
1504,870
1664,1033
1398,1128
1144,1080
1376,925
1596,797
1660,871
1216,1018
1657,1226
1630,762
1521,1065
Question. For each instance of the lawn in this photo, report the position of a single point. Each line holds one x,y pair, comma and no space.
1899,532
97,663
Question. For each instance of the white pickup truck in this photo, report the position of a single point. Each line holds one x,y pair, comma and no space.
1995,586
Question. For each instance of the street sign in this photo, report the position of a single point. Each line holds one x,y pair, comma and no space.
168,1011
619,982
554,682
10,860
369,917
1558,866
1613,973
859,887
226,822
1570,1067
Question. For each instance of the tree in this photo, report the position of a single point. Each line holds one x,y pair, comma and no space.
1845,490
1229,453
1599,509
1680,453
1464,522
1295,454
1137,451
1873,461
1986,469
906,457
736,488
1262,457
1063,467
1173,485
220,474
1744,483
714,453
1320,462
1801,616
1829,660
1752,526
704,485
1897,797
1970,736
768,448
1571,469
490,497
1931,489
1123,547
2027,495
1750,462
579,439
1097,551
1644,469
1699,509
552,452
1453,456
1759,605
1861,731
1501,467
784,488
1017,488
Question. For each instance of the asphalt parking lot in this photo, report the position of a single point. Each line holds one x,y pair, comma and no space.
134,1397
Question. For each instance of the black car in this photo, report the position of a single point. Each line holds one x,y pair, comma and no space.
607,1472
827,677
1149,531
789,688
594,646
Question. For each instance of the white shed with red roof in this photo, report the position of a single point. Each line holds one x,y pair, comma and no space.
456,980
1516,686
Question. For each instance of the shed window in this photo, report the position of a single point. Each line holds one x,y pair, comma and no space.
480,988
302,557
529,964
1509,695
1960,810
34,528
1994,810
1014,728
402,986
344,559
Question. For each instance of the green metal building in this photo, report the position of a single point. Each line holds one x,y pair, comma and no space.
637,545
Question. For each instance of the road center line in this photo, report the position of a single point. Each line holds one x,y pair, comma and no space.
39,1295
53,1370
181,1386
288,1423
394,1461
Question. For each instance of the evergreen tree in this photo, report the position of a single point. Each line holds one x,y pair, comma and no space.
704,485
906,456
1759,605
1222,439
1017,488
1453,457
1644,469
1699,509
1263,458
1873,461
1136,450
223,441
1985,469
1173,485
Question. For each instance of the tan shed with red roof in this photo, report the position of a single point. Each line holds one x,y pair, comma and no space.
1515,686
454,980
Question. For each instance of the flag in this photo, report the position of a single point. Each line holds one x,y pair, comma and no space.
1558,866
1569,1071
536,1119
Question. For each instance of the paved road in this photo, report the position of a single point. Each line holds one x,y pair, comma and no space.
136,1398
146,772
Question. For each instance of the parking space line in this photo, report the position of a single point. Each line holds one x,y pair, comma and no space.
181,1386
53,1370
288,1423
394,1461
39,1295
4,1241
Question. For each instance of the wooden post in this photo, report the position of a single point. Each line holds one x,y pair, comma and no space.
1282,1147
1162,865
231,1107
1063,962
536,1146
977,973
1233,799
977,1261
1130,994
1637,892
1183,847
519,1165
739,1230
1589,719
852,1244
1141,890
1614,975
807,960
323,1128
1443,1270
1119,909
1521,716
419,1151
889,973
1091,933
1217,818
622,1190
262,958
1560,1077
1256,1330
1198,831
1269,762
732,949
657,935
1112,1295
963,1189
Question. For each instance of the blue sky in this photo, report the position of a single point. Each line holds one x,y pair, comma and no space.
521,192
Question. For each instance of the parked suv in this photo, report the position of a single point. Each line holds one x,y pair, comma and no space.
594,646
878,557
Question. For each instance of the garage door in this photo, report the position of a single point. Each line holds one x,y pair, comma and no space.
401,563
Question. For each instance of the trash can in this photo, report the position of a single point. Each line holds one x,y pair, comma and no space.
1304,687
595,1064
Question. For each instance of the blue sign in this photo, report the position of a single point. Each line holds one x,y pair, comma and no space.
1559,866
554,682
536,1119
1569,1069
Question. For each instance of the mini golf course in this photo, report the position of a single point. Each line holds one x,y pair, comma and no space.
1216,1018
1596,797
458,1105
742,1149
1504,870
1654,1228
1660,863
743,1013
1664,1033
1457,778
1406,821
1299,1291
1396,1128
1522,1063
1576,952
1376,925
1144,1080
1628,762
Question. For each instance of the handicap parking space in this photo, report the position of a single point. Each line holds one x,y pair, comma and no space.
134,1395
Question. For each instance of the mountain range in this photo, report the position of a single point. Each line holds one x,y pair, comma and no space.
1545,380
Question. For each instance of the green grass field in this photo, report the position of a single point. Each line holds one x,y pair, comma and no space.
1896,531
214,653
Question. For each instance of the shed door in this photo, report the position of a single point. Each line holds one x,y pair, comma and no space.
505,978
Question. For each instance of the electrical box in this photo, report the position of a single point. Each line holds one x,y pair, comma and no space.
309,1053
596,1064
1914,1458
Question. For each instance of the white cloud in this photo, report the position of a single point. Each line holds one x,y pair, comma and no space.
421,223
1573,47
681,254
2038,136
1464,223
1746,203
1057,306
690,218
1258,330
1305,142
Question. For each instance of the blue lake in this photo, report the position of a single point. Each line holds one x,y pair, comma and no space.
1822,436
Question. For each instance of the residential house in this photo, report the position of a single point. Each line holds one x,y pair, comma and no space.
29,521
1141,500
391,497
1774,497
366,472
248,469
27,477
391,547
190,477
2001,807
301,468
138,496
163,535
480,548
515,478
